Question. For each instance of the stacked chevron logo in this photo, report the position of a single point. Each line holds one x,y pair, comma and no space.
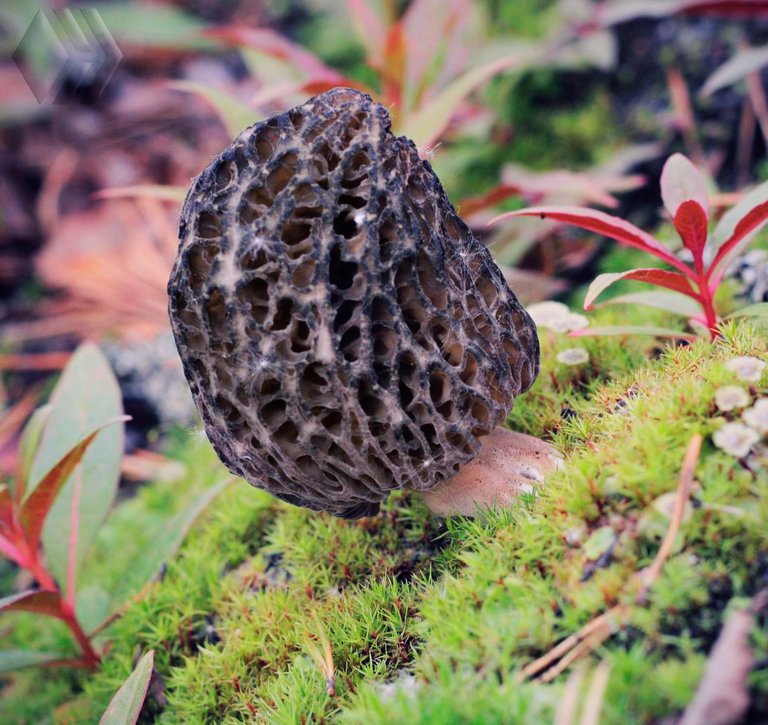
66,51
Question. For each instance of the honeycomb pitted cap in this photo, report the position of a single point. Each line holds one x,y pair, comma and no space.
343,332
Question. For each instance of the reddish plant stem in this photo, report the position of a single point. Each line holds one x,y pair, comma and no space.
70,619
31,562
708,305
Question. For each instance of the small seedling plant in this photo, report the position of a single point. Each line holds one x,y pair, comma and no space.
60,497
44,523
690,287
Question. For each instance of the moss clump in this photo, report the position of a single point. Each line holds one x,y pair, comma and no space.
432,622
448,614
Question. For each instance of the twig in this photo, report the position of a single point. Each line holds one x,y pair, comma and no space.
569,702
684,485
756,94
595,632
594,703
681,103
722,697
587,645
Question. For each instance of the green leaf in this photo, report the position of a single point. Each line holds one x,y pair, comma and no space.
599,543
427,124
660,277
18,659
157,25
727,224
93,606
738,66
28,445
85,399
234,113
681,181
125,706
757,310
161,192
36,601
609,330
147,563
665,300
37,505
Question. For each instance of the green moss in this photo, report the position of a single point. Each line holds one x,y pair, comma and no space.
448,613
431,621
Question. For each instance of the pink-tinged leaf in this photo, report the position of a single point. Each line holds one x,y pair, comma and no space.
736,68
742,234
144,191
659,277
691,224
125,706
681,181
276,46
605,224
622,11
436,40
36,506
672,302
30,440
86,399
759,309
429,122
11,552
37,602
370,29
12,660
624,330
6,509
393,68
492,197
235,114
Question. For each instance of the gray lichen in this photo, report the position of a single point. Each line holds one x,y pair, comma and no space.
343,332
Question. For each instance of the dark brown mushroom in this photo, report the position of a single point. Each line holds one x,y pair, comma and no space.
343,332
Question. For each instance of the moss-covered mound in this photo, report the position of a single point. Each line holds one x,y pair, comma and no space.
432,622
449,614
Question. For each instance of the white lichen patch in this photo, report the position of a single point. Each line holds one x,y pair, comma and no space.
747,368
736,439
573,356
731,397
557,317
757,416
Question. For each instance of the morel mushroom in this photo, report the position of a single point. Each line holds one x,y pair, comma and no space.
343,332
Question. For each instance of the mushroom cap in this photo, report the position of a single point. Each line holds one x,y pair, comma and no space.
343,332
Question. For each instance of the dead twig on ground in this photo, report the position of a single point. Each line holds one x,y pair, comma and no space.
594,633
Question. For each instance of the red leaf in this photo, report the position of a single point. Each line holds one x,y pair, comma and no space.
626,330
659,277
494,196
681,181
37,601
749,9
36,506
393,71
277,46
370,29
10,551
605,224
691,224
749,223
6,509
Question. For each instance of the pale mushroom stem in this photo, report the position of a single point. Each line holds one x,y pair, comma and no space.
508,464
